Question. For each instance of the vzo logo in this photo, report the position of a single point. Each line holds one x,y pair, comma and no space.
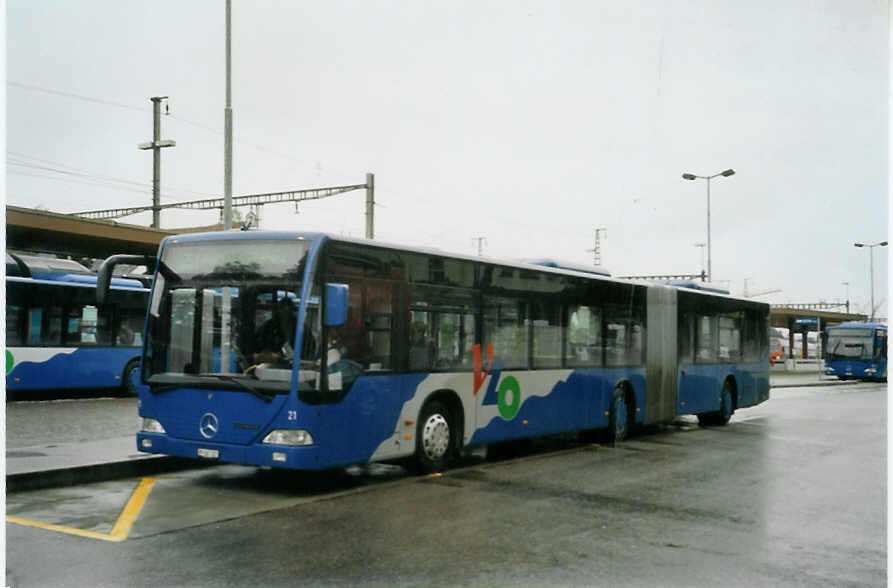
507,395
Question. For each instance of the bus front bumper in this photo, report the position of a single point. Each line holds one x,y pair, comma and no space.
257,454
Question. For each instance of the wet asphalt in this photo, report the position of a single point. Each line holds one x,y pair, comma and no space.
792,492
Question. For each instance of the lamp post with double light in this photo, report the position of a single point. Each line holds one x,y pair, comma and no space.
871,262
727,173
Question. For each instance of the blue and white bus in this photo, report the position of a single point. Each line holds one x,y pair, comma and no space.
856,351
57,338
309,351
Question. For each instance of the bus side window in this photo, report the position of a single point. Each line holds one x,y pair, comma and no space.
624,335
441,328
584,337
686,337
730,337
421,346
505,326
16,314
751,338
706,341
636,340
546,333
378,322
45,326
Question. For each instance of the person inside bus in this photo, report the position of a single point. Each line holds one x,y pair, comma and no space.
125,335
310,342
341,370
273,339
421,351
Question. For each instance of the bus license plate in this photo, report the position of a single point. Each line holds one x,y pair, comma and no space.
209,453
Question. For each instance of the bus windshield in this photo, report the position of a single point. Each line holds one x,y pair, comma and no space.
222,313
852,344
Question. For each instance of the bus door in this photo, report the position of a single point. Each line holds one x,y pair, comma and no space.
661,363
361,372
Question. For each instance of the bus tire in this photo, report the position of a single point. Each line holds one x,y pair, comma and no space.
619,421
726,408
435,440
129,378
726,404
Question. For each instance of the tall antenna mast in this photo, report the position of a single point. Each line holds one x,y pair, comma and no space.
597,250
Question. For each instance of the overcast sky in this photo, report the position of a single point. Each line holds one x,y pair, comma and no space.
528,123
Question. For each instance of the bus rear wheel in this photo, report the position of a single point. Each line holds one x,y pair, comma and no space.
726,408
435,437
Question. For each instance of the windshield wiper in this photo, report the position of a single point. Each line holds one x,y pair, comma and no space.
164,383
244,385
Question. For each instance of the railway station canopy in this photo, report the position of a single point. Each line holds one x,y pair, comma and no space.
801,317
41,231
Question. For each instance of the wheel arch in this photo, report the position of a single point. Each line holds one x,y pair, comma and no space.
629,394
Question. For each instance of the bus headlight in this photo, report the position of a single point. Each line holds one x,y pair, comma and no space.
289,437
152,426
870,371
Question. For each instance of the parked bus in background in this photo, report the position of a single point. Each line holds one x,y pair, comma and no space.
308,351
57,338
857,351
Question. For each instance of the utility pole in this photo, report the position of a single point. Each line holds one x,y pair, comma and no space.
596,250
226,298
480,241
228,129
156,146
370,206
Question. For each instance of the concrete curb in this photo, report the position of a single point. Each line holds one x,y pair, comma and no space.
101,472
815,383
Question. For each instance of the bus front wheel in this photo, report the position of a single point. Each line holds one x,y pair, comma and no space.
619,427
130,378
434,437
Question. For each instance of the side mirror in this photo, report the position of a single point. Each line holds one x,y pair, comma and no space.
336,304
104,275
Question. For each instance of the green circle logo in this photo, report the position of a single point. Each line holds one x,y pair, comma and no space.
508,410
10,361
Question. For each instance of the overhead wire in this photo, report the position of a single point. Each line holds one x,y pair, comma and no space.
21,160
95,179
199,125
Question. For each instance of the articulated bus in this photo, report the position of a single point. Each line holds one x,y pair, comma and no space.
309,351
58,338
856,351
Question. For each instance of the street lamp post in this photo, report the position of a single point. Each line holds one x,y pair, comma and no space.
703,267
847,284
727,173
871,263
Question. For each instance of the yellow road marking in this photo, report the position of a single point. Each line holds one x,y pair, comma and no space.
122,527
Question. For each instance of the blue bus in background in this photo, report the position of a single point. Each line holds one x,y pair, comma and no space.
309,351
856,351
59,339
